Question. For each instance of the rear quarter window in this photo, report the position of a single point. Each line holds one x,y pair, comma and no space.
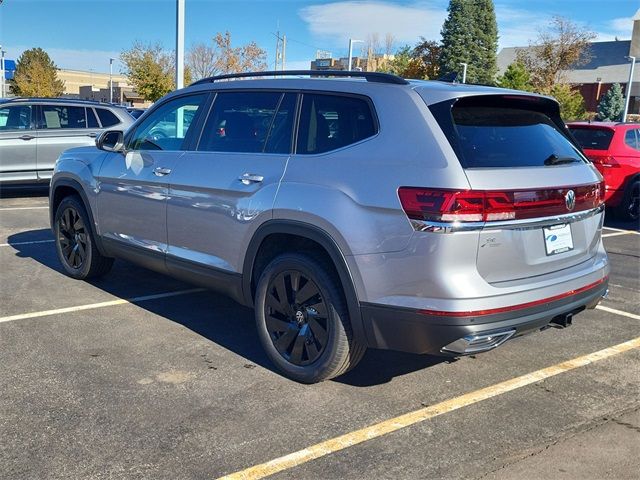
107,118
329,122
592,138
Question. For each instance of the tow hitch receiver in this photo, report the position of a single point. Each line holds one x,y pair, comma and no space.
563,321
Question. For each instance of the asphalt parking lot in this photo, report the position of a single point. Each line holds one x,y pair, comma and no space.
137,375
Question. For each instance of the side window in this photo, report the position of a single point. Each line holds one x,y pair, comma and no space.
247,122
15,117
167,126
107,118
631,138
328,122
62,116
92,121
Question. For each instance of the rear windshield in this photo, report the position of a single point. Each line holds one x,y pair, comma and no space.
499,135
592,138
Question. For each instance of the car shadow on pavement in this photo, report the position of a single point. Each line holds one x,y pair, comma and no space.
210,315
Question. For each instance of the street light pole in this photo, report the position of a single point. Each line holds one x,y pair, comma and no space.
179,44
351,42
2,74
629,84
464,72
111,80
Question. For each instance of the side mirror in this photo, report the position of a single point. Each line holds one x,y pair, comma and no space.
111,141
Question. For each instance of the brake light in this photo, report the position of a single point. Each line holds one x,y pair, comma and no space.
442,205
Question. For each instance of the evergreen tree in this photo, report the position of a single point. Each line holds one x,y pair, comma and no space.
572,106
611,107
486,39
470,35
516,77
36,75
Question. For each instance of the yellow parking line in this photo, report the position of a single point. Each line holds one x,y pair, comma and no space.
111,303
388,426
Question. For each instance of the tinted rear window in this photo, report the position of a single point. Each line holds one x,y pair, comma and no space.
501,132
592,138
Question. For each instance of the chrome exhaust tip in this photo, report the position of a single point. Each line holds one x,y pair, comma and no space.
478,343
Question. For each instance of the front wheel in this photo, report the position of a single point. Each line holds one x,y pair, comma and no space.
75,244
303,321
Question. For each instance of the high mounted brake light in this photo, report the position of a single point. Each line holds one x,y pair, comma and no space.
442,205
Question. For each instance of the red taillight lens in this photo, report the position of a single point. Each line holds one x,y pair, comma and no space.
492,206
604,160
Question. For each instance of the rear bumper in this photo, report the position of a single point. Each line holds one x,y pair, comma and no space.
410,330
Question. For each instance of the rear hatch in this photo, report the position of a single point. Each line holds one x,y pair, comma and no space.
595,142
539,194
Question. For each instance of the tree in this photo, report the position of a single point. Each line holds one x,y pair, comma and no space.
222,57
427,53
470,35
611,107
572,106
485,32
151,70
36,75
558,48
516,77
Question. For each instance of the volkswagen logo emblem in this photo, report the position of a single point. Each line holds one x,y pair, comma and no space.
570,199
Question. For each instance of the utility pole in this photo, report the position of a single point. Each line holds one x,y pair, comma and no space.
351,42
629,84
284,52
179,44
2,74
464,72
111,80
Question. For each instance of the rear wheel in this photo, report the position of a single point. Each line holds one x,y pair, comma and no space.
303,321
630,206
75,244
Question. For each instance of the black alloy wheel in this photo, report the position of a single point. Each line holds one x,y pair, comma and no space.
72,238
296,317
633,205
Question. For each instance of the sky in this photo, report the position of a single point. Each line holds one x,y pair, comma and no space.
84,34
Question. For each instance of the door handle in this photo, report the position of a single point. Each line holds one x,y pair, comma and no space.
161,171
27,137
249,178
92,134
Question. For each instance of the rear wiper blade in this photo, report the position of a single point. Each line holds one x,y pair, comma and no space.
554,159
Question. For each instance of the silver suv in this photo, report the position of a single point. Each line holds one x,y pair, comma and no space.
351,213
35,131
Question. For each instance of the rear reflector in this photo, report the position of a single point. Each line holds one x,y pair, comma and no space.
490,206
520,306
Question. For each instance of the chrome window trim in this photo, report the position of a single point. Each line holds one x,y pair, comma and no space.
524,224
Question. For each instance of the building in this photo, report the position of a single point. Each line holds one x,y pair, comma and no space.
609,64
364,64
74,79
122,94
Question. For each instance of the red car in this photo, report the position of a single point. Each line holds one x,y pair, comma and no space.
614,148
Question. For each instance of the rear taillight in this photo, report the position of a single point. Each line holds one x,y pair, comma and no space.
604,160
491,206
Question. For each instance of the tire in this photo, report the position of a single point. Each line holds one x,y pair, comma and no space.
75,243
629,209
307,335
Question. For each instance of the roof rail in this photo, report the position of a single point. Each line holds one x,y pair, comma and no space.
369,76
54,99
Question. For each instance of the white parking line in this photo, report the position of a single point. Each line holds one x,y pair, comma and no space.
22,208
112,303
14,244
618,312
616,234
620,230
